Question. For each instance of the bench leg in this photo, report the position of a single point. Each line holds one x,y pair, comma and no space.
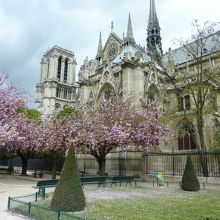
41,192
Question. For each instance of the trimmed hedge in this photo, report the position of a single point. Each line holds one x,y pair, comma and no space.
190,181
68,195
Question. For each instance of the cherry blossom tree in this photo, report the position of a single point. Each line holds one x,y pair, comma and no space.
117,123
18,135
26,144
54,141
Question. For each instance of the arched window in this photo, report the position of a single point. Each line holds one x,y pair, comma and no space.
66,70
152,96
186,136
58,90
59,68
184,103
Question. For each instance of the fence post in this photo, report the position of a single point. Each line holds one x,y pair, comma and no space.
173,161
36,197
29,208
58,214
146,163
9,202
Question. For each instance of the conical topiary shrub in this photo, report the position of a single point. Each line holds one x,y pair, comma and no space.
68,195
190,181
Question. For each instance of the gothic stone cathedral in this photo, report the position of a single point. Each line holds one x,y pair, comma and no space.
124,67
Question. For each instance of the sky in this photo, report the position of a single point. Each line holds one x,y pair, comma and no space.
28,28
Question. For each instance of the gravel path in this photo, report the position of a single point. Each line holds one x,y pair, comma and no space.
17,186
13,186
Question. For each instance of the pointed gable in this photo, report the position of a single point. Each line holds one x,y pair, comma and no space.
112,45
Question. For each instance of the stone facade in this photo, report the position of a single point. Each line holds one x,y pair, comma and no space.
123,67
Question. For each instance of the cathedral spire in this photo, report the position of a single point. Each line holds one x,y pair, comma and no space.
154,44
112,27
153,20
130,36
99,51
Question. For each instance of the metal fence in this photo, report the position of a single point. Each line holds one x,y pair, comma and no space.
28,206
136,163
174,163
32,164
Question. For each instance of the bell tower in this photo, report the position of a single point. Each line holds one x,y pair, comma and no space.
56,88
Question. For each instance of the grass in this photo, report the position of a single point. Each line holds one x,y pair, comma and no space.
139,203
167,208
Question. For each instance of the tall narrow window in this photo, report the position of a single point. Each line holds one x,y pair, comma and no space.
58,93
59,68
184,103
65,94
187,102
180,104
65,70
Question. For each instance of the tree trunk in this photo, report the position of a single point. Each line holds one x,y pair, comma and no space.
54,169
101,163
203,155
24,166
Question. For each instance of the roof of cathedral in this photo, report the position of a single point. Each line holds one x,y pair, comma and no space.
131,51
180,55
58,48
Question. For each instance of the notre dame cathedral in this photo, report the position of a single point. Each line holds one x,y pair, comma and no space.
124,67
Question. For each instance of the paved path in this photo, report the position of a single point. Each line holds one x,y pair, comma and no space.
14,186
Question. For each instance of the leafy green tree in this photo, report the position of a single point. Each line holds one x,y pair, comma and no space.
68,195
32,114
198,77
190,181
216,145
67,112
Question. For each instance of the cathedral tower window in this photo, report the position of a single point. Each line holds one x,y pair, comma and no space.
66,70
65,94
58,92
59,68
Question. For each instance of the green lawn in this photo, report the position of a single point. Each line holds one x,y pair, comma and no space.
161,204
202,206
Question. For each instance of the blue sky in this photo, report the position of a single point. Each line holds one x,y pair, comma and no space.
30,27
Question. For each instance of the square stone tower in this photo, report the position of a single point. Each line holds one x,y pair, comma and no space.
57,88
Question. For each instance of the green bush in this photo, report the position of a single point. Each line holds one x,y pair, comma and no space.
190,181
68,195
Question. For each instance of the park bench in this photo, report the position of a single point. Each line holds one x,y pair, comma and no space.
38,173
5,171
123,179
100,180
43,184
